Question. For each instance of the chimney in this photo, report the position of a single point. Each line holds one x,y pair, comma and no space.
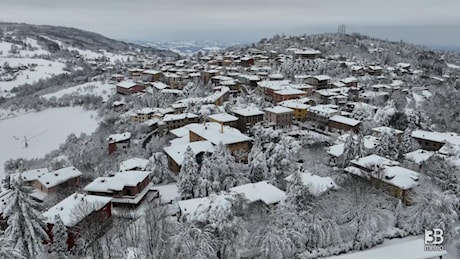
221,127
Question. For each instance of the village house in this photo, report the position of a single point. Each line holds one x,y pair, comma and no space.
319,82
179,107
248,117
238,143
76,210
117,77
175,153
270,86
398,180
357,71
119,141
129,88
413,160
246,61
350,82
142,115
299,108
173,121
151,75
288,93
126,189
224,118
52,181
375,70
193,209
307,54
279,115
206,75
385,130
319,115
343,124
158,85
433,141
171,79
135,73
167,193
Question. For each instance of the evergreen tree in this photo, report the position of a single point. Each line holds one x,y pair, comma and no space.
224,166
257,164
406,144
188,175
192,241
298,194
388,146
59,246
160,170
281,161
7,251
207,183
25,222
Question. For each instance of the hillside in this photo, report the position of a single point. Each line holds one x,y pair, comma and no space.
76,38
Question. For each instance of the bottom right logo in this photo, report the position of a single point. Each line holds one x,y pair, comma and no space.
434,239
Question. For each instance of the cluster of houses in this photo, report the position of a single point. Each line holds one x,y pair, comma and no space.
315,101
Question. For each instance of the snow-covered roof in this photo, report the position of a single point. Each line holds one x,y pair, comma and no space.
223,117
260,191
54,178
279,110
145,111
419,156
290,91
134,163
117,182
127,84
327,110
276,76
273,84
349,80
317,185
399,248
177,151
115,138
395,175
344,120
159,85
196,209
75,208
30,175
373,160
211,131
321,77
168,192
248,111
452,138
293,104
307,52
174,117
386,130
152,72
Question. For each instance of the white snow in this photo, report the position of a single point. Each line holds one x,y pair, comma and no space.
133,163
54,178
412,247
96,88
278,110
115,138
44,69
260,191
195,209
439,137
419,156
117,182
44,131
317,185
177,151
75,208
168,192
248,111
223,117
212,131
453,66
344,120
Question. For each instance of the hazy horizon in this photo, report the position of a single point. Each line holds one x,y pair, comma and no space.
430,23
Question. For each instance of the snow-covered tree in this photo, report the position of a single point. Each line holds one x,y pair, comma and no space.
388,146
59,246
25,222
383,114
188,175
257,164
281,160
7,251
298,194
192,241
320,232
160,170
432,208
406,144
443,174
225,168
208,181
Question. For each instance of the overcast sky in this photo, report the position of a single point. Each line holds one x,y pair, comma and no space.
429,22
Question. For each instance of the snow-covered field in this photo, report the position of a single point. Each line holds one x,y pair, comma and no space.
453,66
5,47
44,69
97,88
44,132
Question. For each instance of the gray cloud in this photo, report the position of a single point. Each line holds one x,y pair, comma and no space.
411,20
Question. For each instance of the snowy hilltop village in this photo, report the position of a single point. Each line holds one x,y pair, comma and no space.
311,146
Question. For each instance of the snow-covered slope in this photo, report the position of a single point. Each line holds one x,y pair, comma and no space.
97,88
44,132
